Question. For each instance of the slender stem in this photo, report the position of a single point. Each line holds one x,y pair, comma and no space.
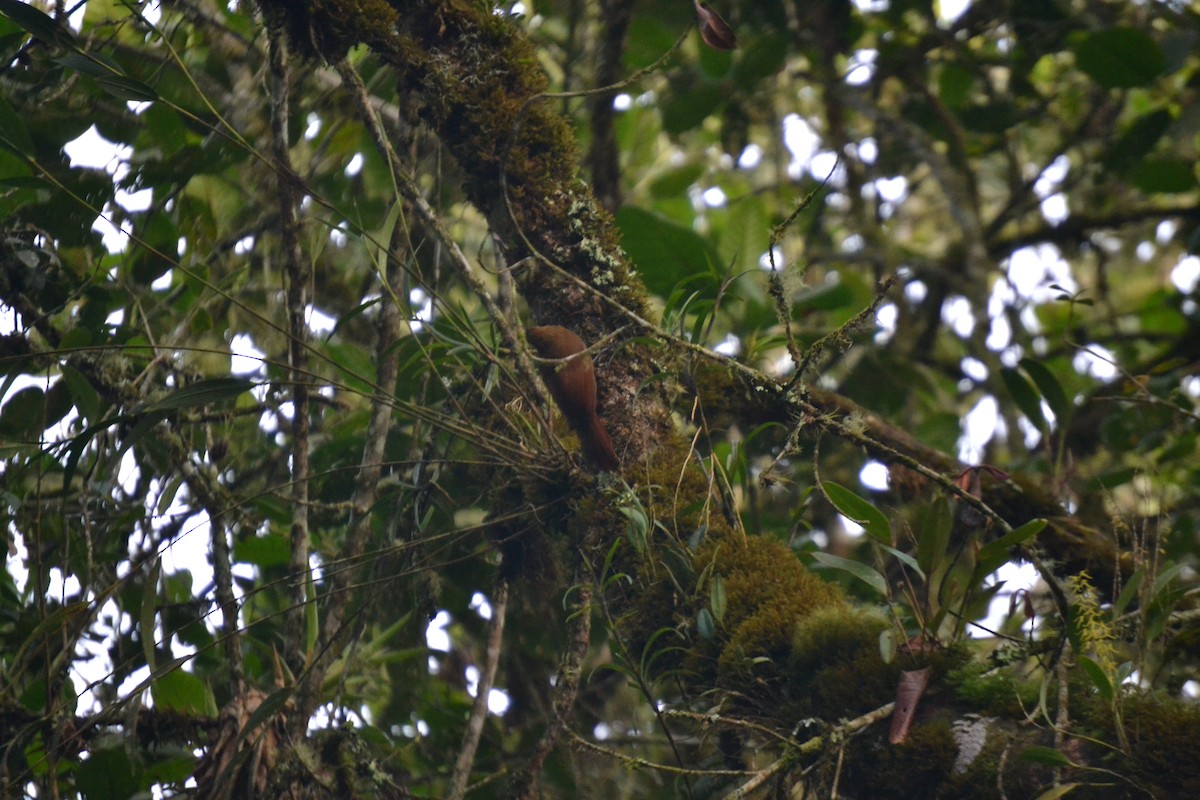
297,276
487,677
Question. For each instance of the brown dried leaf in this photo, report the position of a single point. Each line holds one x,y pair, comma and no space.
908,695
714,30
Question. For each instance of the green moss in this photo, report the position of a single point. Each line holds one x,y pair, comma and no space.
836,655
917,768
1164,745
997,693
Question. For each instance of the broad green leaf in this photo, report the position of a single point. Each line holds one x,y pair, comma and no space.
13,134
1098,677
36,22
83,394
1129,591
182,692
269,550
1119,58
888,645
200,393
312,626
1046,755
1165,175
1164,579
23,414
994,554
954,85
687,109
861,511
664,251
149,611
906,559
704,624
107,774
676,182
716,597
1137,140
934,536
866,574
1051,390
1026,397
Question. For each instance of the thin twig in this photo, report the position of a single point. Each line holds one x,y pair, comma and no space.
466,756
297,276
566,688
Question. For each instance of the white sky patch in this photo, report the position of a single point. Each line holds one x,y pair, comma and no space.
1029,432
247,359
318,321
714,197
1026,268
244,246
355,166
312,127
328,715
801,141
999,334
979,425
436,635
825,165
481,606
1054,204
1000,331
1015,577
498,702
886,318
1186,274
764,261
90,150
751,157
729,346
874,475
622,102
948,11
1097,361
974,369
423,313
956,312
852,528
1144,251
1032,270
916,291
862,65
892,189
867,150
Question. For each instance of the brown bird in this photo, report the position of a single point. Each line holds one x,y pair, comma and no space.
573,387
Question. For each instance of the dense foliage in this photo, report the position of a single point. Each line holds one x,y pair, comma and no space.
883,297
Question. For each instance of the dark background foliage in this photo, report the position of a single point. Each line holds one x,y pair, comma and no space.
930,274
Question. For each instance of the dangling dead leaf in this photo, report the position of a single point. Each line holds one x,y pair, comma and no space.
908,695
714,30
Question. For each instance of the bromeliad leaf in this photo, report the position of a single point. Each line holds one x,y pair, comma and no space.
868,575
856,508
